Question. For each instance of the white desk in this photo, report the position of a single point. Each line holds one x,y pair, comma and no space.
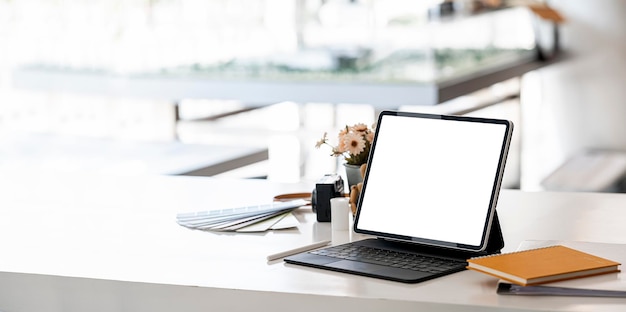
103,243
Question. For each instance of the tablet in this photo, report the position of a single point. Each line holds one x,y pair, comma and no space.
433,179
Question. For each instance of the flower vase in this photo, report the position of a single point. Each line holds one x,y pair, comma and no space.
353,174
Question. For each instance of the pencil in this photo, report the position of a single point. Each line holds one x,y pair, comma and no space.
297,250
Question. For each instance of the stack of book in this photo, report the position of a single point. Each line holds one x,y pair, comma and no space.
549,268
542,265
258,218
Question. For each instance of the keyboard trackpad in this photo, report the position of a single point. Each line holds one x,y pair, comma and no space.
356,266
375,269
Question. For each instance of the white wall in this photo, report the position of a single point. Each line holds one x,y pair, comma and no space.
579,103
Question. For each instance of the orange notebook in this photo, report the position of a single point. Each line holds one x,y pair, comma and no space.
542,265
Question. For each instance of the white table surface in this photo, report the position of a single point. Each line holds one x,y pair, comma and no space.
111,243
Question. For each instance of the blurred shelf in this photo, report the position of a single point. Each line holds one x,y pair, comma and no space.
381,94
66,154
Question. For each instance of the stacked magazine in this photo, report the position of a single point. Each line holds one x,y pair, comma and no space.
259,218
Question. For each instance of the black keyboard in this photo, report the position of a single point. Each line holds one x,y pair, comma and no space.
405,260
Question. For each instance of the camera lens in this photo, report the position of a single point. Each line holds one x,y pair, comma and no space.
314,199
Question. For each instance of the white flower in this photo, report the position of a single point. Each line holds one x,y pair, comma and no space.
321,141
354,143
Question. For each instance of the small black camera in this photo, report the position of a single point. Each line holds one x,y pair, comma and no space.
327,187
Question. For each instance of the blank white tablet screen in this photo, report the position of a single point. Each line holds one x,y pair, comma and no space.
432,179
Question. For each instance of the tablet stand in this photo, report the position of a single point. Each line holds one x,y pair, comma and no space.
495,242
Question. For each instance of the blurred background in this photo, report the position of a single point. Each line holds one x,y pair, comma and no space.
244,89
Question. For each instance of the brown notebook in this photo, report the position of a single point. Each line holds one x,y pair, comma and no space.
542,265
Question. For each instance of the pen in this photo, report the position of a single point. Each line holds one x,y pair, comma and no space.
297,250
